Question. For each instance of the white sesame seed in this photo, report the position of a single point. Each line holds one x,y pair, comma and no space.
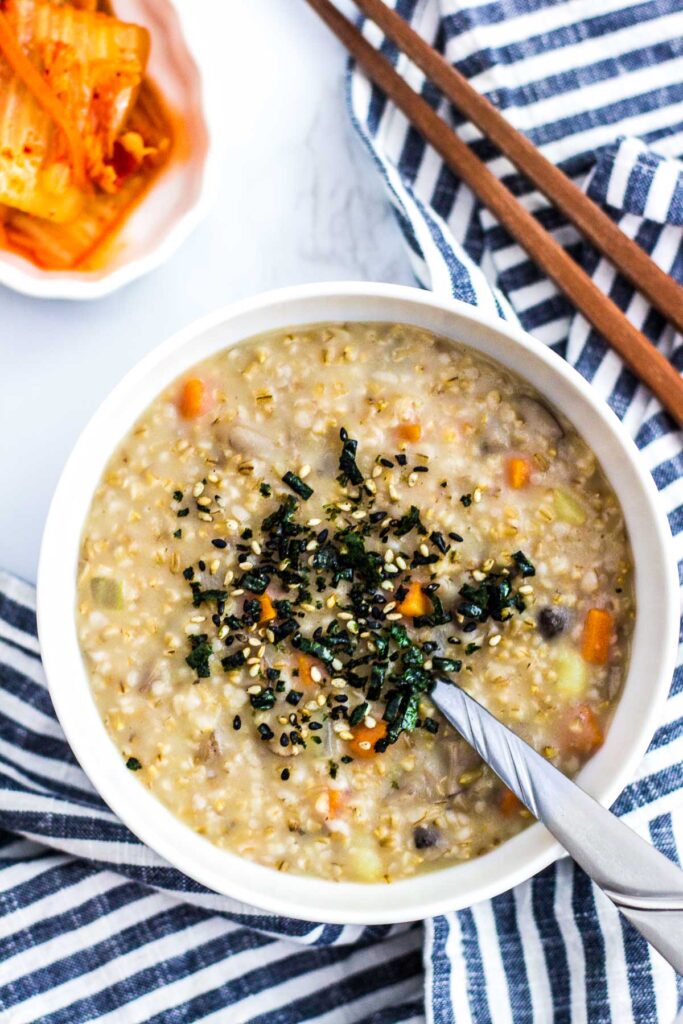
401,562
204,502
337,665
388,555
359,514
246,565
394,616
212,478
371,487
197,489
390,568
331,601
365,745
214,566
312,545
353,627
304,471
526,589
370,722
253,661
238,592
389,607
424,550
376,471
321,700
346,735
254,671
495,640
387,585
412,479
254,641
256,547
476,495
338,682
339,727
316,674
314,522
205,517
223,632
254,689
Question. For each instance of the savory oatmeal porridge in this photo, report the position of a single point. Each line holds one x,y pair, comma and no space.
289,543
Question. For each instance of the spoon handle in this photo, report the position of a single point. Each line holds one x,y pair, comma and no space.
646,886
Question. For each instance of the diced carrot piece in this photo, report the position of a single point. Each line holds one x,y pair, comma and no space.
415,602
510,803
364,739
192,398
305,664
597,633
329,802
584,732
409,431
518,472
335,800
267,610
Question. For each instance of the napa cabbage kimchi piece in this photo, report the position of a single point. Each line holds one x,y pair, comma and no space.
81,131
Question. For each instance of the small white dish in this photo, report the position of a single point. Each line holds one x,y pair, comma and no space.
176,200
654,641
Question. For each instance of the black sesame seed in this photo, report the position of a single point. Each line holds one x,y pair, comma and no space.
284,774
265,732
237,723
386,462
219,543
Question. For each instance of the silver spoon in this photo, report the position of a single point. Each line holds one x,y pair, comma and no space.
645,886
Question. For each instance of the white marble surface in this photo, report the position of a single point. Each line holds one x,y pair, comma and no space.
300,202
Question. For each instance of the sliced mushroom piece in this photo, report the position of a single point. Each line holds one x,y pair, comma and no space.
245,440
538,417
209,748
425,836
155,671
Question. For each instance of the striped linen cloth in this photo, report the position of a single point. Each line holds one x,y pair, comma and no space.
599,89
94,926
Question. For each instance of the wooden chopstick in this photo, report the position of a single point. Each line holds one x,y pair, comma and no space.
662,291
605,316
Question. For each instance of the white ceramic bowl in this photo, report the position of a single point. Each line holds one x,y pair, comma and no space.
654,641
178,198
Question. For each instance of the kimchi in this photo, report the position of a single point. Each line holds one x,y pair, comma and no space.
82,132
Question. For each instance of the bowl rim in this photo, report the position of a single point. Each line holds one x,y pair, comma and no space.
19,275
305,897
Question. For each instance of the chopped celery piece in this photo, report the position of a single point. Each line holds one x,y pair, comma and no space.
568,508
107,592
572,674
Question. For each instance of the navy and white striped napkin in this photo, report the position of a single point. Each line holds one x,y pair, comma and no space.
94,926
